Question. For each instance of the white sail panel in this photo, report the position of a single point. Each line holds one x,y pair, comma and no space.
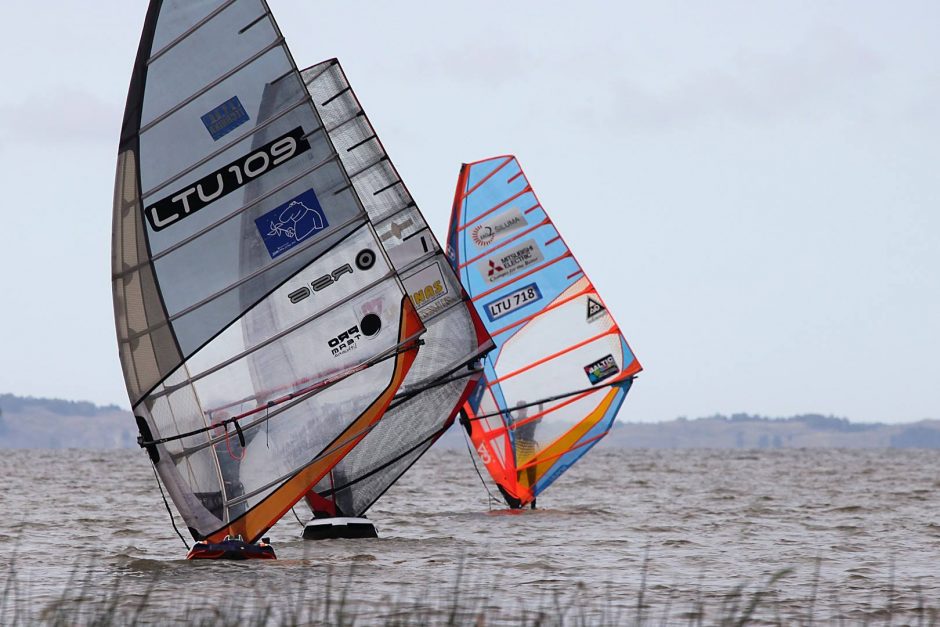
231,205
442,374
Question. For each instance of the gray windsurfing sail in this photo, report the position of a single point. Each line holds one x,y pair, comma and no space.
444,371
262,329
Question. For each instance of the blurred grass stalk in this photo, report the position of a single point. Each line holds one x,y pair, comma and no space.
89,599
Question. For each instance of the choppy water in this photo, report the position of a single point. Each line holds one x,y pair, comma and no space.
625,535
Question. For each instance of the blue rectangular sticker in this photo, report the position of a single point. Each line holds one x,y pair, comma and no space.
225,118
289,224
505,305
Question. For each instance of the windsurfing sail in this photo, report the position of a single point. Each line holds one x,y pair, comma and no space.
448,365
262,328
561,368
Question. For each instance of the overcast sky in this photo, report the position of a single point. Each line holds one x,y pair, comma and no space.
754,187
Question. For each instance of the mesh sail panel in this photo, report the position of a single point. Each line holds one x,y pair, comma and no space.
262,329
554,336
425,406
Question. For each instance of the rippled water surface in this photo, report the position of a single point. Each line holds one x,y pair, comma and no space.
625,536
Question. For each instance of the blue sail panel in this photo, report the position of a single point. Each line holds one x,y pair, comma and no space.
561,368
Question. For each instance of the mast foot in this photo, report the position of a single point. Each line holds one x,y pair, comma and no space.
232,549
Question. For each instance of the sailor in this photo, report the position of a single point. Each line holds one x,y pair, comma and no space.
526,445
229,454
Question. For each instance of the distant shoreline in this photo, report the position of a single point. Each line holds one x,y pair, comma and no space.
42,423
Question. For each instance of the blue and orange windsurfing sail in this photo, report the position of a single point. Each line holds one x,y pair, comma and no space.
561,368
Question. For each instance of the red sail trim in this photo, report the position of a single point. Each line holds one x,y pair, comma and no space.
581,270
522,276
540,414
544,222
488,176
502,204
611,331
558,303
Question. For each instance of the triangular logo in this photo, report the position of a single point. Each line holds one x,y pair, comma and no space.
594,309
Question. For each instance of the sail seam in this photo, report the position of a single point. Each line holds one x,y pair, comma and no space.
500,205
226,218
274,338
209,87
293,399
222,149
192,29
280,260
567,254
504,243
329,65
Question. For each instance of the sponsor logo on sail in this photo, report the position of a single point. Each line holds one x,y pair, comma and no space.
226,180
348,340
601,369
428,290
365,260
345,341
225,118
488,231
508,262
595,310
292,222
397,229
505,305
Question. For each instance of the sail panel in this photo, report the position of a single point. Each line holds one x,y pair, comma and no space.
245,210
243,23
428,400
179,17
561,367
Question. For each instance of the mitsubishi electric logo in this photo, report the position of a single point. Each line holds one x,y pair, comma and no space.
509,261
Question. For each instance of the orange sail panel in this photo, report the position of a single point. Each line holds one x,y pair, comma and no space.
561,368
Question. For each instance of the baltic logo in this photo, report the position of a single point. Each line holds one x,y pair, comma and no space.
595,310
601,369
292,222
426,286
487,232
365,259
505,305
226,179
510,261
346,341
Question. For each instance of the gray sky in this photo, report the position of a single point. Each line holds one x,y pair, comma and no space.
752,186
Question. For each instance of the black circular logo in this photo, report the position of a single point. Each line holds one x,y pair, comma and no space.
370,324
365,259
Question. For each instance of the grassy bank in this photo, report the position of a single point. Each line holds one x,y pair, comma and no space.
91,597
